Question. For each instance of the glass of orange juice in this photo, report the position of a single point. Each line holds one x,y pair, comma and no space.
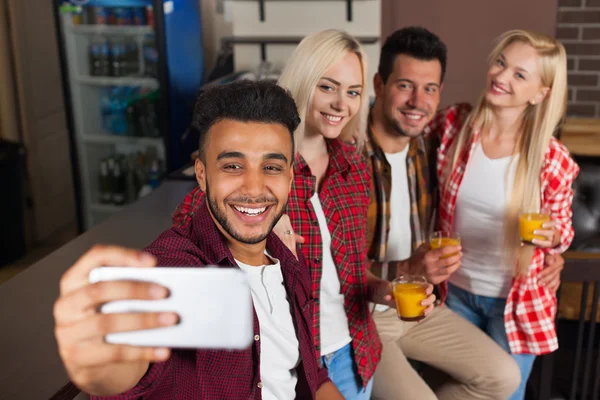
409,292
529,222
440,239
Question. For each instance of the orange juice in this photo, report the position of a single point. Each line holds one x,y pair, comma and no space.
408,300
529,222
437,243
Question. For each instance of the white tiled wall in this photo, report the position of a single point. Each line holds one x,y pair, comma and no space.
298,18
247,56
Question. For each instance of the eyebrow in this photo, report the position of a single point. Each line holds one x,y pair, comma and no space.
409,81
230,154
519,68
339,84
237,154
275,156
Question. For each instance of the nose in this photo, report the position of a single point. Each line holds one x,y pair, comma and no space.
502,76
417,98
253,184
339,102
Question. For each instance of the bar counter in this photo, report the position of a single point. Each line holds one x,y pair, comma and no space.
30,366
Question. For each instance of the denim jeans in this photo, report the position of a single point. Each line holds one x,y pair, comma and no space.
488,314
343,373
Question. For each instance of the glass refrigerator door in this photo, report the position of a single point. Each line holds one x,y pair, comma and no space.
111,58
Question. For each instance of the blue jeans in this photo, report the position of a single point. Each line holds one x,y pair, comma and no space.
343,373
488,314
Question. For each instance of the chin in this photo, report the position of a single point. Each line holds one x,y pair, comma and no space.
251,236
331,133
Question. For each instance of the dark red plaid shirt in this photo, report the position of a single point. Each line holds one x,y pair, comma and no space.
218,374
345,198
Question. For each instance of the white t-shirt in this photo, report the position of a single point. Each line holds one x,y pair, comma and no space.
333,321
399,244
279,348
479,219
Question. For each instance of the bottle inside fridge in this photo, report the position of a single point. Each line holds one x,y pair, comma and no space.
124,177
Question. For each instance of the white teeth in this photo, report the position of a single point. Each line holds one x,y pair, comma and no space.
332,118
498,89
413,116
251,211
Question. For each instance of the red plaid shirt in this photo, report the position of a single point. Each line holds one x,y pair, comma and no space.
345,198
218,374
530,307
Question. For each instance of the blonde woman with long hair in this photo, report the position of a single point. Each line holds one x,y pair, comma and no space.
493,162
327,209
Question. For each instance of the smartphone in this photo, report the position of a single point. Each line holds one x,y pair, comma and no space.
214,306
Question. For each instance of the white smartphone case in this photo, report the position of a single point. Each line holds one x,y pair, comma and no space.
214,306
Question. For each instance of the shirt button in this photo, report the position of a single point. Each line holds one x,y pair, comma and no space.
259,385
256,338
317,260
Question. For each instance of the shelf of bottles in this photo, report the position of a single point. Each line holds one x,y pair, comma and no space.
113,70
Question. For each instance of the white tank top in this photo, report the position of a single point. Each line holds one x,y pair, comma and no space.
479,219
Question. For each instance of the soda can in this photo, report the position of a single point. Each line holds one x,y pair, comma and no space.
119,16
101,15
128,15
150,16
123,16
139,16
77,16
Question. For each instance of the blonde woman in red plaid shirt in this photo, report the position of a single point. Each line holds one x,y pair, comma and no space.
493,162
327,208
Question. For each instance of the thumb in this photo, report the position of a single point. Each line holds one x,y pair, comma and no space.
299,239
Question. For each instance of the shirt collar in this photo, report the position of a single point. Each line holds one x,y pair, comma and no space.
338,161
208,237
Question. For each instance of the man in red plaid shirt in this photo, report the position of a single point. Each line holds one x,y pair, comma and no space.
246,182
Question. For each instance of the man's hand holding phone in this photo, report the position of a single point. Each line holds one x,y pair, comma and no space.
93,365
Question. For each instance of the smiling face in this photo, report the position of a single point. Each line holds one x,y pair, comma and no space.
336,98
514,79
247,177
411,95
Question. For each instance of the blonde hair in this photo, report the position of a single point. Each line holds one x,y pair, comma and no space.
312,58
539,122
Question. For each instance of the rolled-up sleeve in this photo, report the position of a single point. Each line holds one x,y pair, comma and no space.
558,195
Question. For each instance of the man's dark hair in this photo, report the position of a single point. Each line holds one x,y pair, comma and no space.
244,101
416,42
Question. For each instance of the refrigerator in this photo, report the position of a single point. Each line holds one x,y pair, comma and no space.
131,71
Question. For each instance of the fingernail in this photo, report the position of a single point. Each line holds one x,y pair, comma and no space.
161,353
167,318
146,257
158,292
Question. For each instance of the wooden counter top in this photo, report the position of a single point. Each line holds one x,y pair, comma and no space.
582,136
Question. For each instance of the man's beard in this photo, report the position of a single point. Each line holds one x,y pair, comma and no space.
219,215
396,126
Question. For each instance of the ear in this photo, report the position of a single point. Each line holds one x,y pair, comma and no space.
542,94
378,84
200,169
441,87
